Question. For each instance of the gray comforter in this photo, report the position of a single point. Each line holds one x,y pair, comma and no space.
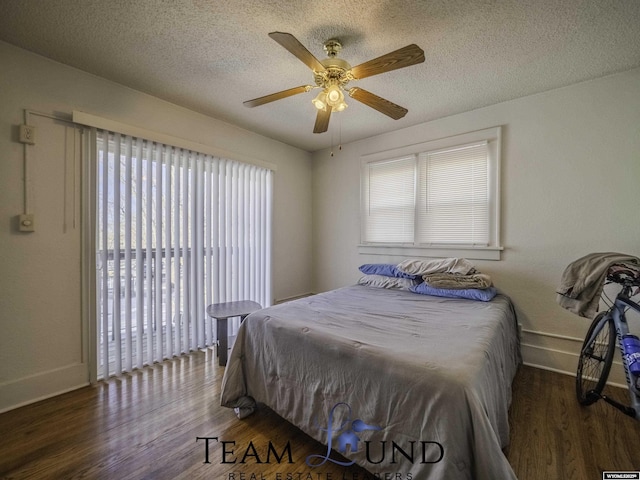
359,366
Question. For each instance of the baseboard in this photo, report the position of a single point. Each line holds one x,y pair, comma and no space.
31,389
289,299
560,353
542,350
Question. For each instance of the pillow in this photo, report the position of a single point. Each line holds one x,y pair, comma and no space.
484,295
439,265
382,281
386,269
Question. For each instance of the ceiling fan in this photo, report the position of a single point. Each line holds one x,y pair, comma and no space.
333,74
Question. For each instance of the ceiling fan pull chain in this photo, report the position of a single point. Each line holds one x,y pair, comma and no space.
332,132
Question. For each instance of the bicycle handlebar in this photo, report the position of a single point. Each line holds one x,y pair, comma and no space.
626,277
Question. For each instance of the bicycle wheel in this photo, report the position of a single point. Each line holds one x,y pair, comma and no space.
595,360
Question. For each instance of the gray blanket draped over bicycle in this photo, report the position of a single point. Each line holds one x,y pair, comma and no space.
583,280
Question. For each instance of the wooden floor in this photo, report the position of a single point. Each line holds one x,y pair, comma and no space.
145,426
553,437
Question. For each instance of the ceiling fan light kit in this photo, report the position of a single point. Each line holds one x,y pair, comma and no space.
335,98
333,74
320,101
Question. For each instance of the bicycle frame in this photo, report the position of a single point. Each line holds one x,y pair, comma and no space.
617,313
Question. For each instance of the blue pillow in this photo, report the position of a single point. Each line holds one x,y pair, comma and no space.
386,269
484,295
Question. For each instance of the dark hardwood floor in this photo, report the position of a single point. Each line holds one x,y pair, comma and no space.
145,426
553,437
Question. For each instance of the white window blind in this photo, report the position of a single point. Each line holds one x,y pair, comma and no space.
453,205
389,189
435,198
176,231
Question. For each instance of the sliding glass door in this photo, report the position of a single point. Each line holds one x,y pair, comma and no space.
176,230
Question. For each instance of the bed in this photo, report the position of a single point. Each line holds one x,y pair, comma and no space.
372,371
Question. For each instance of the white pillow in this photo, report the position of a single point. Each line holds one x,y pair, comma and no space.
438,265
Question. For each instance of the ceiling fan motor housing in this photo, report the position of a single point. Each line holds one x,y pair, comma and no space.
337,72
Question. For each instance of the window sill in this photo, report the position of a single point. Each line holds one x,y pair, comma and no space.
472,253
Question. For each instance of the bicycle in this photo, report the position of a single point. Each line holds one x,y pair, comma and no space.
596,355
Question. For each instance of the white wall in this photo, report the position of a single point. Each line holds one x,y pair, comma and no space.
570,186
40,316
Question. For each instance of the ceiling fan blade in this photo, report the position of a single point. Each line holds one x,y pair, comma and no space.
322,120
277,96
292,44
378,103
404,57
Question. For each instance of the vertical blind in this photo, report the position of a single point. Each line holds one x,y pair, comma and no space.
431,198
177,230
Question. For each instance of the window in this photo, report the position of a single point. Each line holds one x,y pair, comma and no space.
390,201
437,198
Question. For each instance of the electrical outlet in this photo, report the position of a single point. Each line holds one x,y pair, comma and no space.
26,223
28,134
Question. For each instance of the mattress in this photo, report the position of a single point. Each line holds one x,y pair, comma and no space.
407,385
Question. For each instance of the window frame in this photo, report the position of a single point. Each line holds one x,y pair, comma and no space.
492,251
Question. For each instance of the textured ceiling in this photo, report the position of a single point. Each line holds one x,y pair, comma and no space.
211,55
